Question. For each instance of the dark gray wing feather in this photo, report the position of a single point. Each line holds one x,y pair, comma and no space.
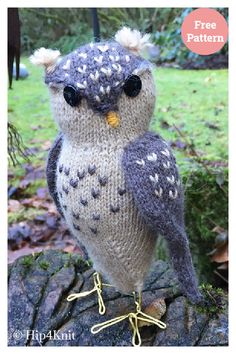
153,178
52,164
152,175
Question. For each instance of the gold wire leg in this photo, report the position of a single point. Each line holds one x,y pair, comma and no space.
97,288
133,318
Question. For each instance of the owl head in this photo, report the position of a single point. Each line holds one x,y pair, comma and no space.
101,90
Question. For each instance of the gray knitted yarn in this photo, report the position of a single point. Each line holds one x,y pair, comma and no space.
116,187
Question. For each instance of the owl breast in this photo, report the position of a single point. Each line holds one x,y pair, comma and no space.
100,212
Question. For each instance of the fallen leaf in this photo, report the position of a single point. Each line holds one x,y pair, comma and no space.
14,206
24,251
223,266
52,209
218,229
42,193
40,218
216,164
41,234
11,191
46,145
179,144
221,239
51,221
11,174
69,249
33,174
18,234
221,254
156,309
32,202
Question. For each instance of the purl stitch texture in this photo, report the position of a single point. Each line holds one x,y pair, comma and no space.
116,185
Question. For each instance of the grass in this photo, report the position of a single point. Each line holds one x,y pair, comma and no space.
29,107
197,102
24,214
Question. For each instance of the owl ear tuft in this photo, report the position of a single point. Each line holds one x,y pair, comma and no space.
45,57
133,40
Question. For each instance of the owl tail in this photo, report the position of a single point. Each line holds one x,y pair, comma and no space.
182,261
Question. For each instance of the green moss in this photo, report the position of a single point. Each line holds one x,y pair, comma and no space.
33,187
44,265
24,214
161,248
206,206
81,264
215,300
67,259
27,261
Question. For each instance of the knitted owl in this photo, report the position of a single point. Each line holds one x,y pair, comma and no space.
115,183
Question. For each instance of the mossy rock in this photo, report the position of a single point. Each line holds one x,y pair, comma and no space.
40,315
206,206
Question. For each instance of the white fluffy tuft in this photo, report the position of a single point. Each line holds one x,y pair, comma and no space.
45,57
133,40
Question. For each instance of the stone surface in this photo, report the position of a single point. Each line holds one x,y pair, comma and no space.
39,313
23,74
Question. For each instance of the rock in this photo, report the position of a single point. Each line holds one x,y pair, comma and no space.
39,313
23,71
154,52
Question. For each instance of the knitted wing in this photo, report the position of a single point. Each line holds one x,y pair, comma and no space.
152,177
51,169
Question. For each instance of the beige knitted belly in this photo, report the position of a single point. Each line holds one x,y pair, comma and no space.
101,213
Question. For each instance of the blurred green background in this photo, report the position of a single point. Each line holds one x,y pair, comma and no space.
69,28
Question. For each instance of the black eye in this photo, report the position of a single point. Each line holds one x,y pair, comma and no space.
71,95
132,86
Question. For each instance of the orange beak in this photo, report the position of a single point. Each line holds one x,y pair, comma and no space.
113,119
